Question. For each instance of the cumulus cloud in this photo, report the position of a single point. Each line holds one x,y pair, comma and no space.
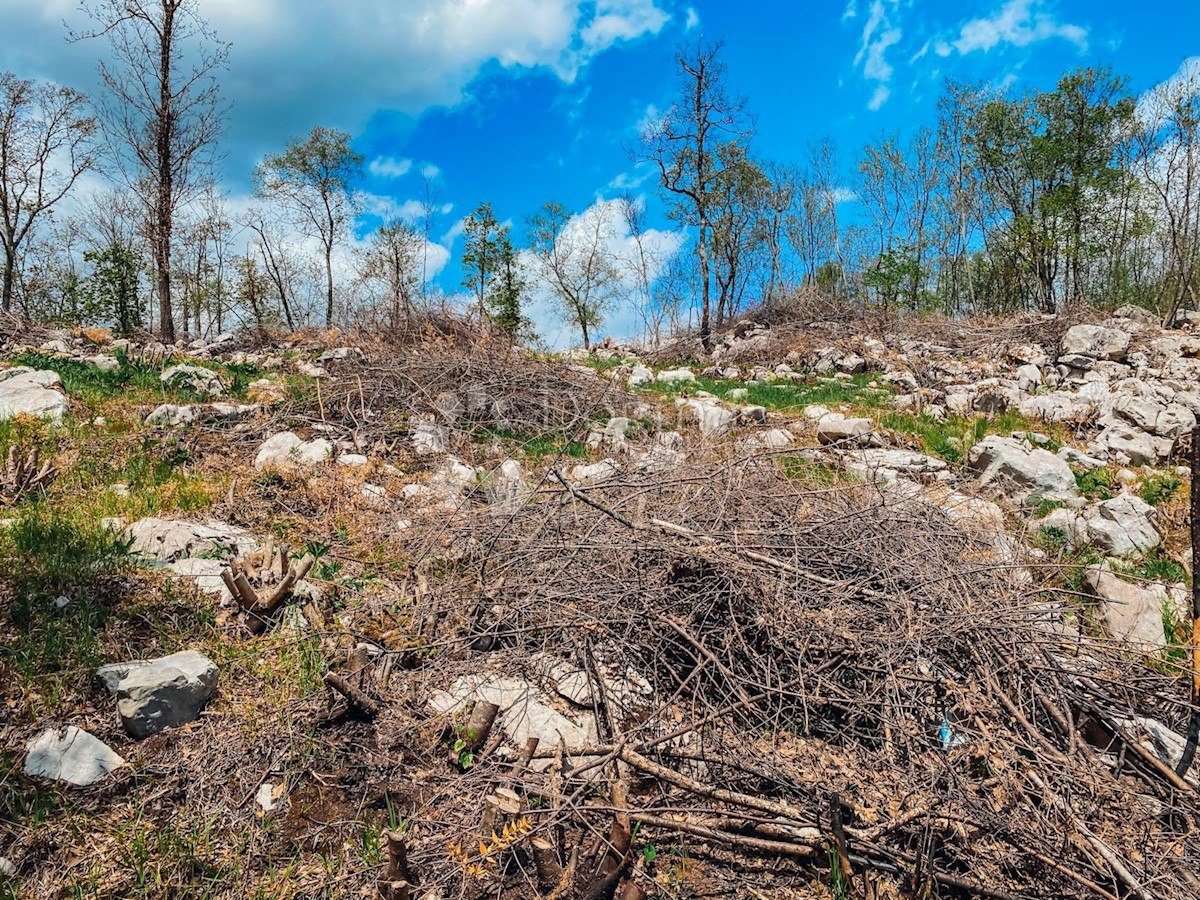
389,167
294,64
878,34
1018,23
623,321
692,19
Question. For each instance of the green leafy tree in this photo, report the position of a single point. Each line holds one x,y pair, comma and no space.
315,179
111,288
507,291
481,255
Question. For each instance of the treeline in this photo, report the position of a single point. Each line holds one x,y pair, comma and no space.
1083,194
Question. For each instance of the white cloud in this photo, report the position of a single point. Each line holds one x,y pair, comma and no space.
692,20
623,321
389,167
851,10
293,65
879,34
1019,23
844,195
430,171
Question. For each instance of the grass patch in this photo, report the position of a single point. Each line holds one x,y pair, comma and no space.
786,395
134,382
536,446
952,437
812,472
1097,484
1158,489
48,556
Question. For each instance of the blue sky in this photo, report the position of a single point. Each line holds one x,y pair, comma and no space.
522,101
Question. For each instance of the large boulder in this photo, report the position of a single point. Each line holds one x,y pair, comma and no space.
1096,341
168,540
1131,446
835,428
1126,611
71,755
31,392
712,418
153,695
1024,473
1122,526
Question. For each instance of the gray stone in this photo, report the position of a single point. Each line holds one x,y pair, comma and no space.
1122,526
525,711
287,449
153,695
1127,612
1096,341
1132,446
71,755
168,540
835,428
428,438
31,392
640,375
1026,474
671,376
204,574
197,379
713,420
341,353
171,416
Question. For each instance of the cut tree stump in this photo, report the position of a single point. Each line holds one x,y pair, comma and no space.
24,473
276,576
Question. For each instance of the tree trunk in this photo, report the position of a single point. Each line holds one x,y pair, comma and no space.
162,201
329,285
9,277
705,310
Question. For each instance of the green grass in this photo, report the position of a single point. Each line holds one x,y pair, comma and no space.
1157,566
812,472
536,446
133,381
47,554
786,395
1160,488
1097,484
951,438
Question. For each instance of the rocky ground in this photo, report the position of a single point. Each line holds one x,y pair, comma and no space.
846,607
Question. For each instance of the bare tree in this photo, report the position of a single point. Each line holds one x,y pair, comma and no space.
1169,164
576,261
315,179
683,144
277,259
392,260
642,263
165,114
45,145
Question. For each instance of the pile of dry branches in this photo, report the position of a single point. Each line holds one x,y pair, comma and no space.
488,385
862,692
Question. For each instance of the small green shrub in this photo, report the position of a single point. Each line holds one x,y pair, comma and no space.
1158,489
1097,484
